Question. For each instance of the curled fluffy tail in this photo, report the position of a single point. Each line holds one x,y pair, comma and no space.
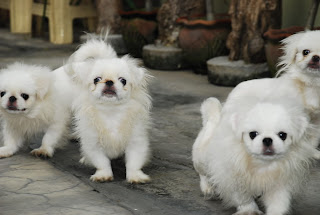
94,48
211,111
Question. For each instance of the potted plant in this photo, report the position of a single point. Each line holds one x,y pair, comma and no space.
139,26
202,39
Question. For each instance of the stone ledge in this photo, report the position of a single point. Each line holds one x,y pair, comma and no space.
222,71
162,57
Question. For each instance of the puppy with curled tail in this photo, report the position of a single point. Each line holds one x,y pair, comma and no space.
112,110
259,150
211,113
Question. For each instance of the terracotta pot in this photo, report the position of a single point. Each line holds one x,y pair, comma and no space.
273,45
201,40
138,33
151,15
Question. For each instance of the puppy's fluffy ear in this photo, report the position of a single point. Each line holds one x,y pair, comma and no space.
289,48
139,73
236,125
300,125
43,81
79,71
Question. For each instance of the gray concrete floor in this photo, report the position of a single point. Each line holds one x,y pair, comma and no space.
61,185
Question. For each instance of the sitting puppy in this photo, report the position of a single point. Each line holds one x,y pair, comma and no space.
111,111
34,100
260,150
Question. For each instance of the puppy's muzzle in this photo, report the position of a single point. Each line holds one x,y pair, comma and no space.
314,63
12,104
109,89
12,99
267,146
109,83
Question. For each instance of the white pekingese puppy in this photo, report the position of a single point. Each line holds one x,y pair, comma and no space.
111,111
301,63
261,149
300,78
34,100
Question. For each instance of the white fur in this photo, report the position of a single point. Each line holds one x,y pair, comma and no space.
294,65
111,122
235,168
47,110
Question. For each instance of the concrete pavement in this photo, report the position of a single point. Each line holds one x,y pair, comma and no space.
61,185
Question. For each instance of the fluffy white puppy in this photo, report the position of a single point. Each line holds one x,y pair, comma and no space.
260,150
300,78
111,110
33,100
301,63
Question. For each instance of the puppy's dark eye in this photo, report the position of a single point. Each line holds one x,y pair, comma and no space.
96,80
3,93
25,96
305,52
123,81
253,134
282,135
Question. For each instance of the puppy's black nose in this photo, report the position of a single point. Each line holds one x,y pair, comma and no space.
315,58
267,141
109,83
12,99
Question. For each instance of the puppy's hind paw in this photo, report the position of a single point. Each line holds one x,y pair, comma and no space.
101,176
42,153
138,177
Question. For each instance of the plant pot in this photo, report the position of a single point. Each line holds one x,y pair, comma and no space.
148,15
201,40
138,33
273,45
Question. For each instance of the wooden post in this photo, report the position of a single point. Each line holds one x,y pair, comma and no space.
20,16
60,22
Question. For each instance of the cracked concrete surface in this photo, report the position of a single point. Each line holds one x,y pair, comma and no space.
61,185
32,186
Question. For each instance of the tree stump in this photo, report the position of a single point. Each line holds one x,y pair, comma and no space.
250,19
169,12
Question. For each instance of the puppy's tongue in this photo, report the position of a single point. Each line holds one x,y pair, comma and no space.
109,92
268,152
12,108
314,65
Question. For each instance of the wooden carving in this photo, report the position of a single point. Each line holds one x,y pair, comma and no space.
250,20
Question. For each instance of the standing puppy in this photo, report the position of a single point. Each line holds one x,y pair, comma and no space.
261,150
34,100
111,111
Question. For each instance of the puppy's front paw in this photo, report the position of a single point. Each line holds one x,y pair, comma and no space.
248,213
42,153
137,177
5,152
101,176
